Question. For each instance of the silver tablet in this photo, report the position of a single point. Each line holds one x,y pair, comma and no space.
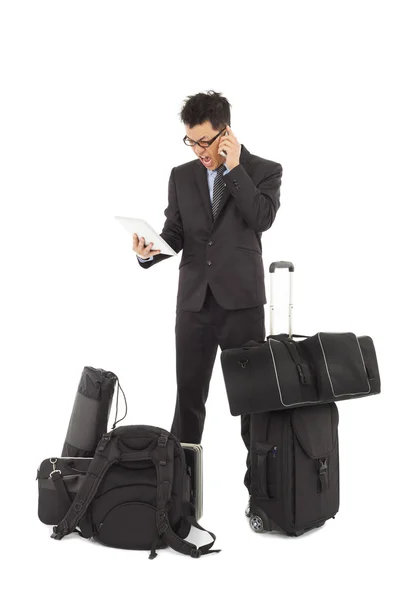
143,229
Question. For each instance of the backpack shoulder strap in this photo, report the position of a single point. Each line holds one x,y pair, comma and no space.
163,457
180,545
107,453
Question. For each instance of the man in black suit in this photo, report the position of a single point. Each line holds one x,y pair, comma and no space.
218,207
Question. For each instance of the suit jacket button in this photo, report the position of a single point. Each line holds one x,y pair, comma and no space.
210,243
209,262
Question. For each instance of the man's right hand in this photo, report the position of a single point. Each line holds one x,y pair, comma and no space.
141,249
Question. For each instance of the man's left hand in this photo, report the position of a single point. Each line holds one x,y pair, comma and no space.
232,148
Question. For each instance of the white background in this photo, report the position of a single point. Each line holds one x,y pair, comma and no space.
90,98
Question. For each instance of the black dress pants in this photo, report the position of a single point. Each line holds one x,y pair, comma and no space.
198,335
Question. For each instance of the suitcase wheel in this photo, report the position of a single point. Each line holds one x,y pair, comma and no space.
256,523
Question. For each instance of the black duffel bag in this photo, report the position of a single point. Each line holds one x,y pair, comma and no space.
280,373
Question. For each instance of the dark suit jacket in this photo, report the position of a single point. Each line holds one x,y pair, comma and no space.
226,252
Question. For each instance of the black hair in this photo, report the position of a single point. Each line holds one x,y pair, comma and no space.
210,106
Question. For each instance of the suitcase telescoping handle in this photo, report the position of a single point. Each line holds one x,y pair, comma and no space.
280,265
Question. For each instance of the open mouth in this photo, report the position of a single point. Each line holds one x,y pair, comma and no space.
206,161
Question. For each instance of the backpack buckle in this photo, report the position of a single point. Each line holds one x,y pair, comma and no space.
58,535
162,441
104,441
163,525
195,553
163,528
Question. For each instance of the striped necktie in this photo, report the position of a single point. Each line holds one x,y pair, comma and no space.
218,189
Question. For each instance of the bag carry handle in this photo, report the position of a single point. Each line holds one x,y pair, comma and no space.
281,265
260,470
133,455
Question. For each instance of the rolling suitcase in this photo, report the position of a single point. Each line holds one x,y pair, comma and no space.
293,475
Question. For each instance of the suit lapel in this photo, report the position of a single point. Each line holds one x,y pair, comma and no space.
201,178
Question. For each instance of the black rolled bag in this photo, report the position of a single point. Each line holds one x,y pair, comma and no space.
90,412
281,373
134,495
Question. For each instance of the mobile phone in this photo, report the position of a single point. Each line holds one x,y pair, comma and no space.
222,152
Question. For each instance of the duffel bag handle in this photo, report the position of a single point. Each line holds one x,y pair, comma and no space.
281,265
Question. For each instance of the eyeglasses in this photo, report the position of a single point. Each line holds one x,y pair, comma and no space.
203,143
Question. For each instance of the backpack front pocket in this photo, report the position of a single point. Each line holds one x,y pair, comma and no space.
131,525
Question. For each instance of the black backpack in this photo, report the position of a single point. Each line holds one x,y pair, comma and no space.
293,471
136,494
